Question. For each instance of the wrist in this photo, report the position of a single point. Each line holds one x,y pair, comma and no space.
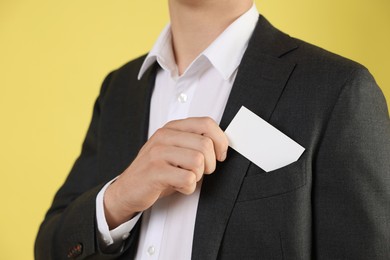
115,211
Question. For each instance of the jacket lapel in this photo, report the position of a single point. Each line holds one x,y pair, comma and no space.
139,93
259,83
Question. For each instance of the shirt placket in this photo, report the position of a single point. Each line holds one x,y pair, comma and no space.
182,96
152,247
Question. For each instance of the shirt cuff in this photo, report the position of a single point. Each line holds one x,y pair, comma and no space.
116,236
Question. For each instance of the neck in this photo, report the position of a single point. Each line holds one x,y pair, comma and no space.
196,24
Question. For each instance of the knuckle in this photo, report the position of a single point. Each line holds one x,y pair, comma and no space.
206,144
198,159
170,124
160,133
189,190
210,168
189,179
208,122
198,173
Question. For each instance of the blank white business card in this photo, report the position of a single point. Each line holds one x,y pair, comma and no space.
260,142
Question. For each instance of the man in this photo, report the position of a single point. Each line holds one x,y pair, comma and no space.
181,193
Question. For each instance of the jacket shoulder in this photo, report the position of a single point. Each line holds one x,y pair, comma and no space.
315,55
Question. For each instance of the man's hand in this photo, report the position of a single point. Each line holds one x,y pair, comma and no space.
173,160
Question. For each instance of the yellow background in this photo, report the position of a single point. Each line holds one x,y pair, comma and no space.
54,55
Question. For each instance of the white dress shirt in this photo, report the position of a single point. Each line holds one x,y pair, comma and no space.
167,227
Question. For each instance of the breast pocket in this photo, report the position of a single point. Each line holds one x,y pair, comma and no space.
259,184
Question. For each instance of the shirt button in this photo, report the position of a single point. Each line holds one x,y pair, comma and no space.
125,236
151,250
182,98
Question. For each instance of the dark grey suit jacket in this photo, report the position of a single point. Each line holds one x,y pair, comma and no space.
333,203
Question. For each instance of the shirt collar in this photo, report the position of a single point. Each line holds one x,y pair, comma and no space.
225,53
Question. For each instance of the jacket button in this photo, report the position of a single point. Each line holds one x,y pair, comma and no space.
75,251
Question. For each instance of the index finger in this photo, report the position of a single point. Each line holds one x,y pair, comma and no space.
204,126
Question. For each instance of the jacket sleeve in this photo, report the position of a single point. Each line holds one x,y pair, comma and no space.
351,182
69,228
